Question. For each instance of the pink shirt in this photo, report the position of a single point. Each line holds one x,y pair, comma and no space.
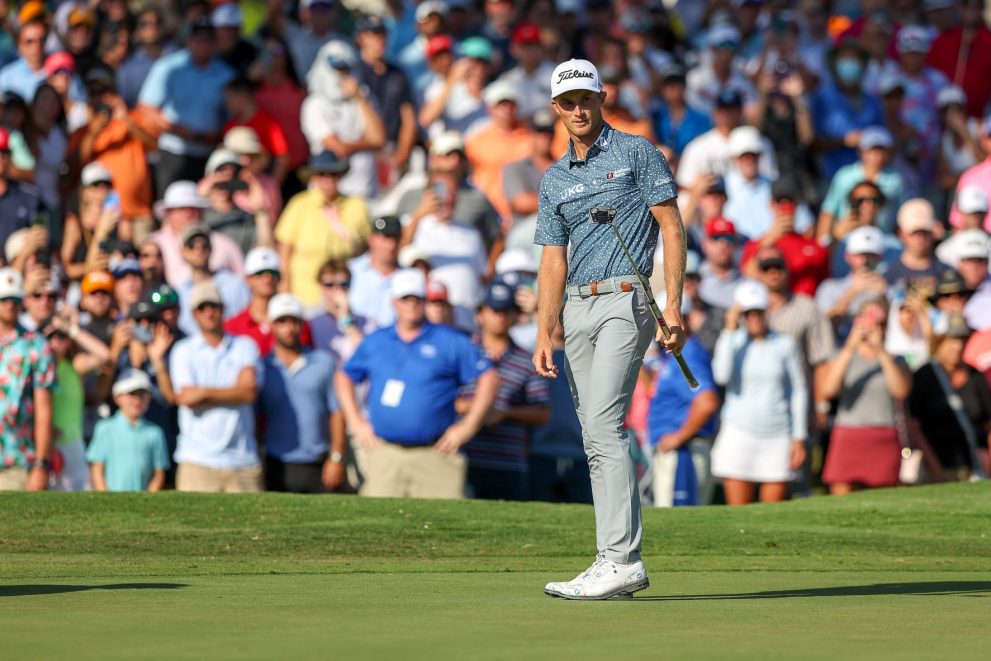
224,254
980,176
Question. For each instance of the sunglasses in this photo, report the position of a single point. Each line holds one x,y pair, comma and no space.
48,295
772,265
151,255
208,306
336,284
269,272
198,245
873,199
723,237
147,24
11,299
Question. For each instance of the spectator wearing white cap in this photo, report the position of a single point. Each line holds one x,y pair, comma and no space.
873,165
26,407
255,161
245,220
717,73
263,271
973,249
180,208
197,246
338,116
216,379
839,297
978,175
960,147
972,203
304,435
129,453
317,25
918,262
232,48
412,435
503,140
412,48
764,417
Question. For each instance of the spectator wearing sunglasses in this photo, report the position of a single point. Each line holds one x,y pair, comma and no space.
337,329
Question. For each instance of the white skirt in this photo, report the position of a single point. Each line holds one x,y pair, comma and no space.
741,455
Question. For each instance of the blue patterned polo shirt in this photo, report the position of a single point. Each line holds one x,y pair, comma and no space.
621,171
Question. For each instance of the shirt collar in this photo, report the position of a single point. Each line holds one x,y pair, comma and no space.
601,144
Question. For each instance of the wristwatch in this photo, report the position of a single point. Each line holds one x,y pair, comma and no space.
43,464
336,457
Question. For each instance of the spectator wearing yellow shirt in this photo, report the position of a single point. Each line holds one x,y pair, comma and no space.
318,225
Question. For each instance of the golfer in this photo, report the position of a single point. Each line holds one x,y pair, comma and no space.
607,323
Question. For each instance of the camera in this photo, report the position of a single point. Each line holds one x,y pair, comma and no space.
602,215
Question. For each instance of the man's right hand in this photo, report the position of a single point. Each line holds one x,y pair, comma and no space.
543,358
37,479
365,435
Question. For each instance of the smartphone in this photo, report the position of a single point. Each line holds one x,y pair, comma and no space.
141,333
40,218
112,201
871,262
233,185
440,190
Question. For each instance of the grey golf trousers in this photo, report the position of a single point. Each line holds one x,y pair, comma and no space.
605,338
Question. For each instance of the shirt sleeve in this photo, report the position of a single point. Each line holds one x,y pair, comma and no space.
277,137
43,366
833,202
313,124
471,363
285,229
153,89
552,228
160,458
653,174
96,453
180,369
359,365
332,404
798,391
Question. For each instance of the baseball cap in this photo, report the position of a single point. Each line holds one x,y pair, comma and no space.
718,226
59,61
499,297
327,162
409,282
15,243
101,74
543,121
723,35
913,39
477,48
889,82
81,16
436,291
447,142
243,140
11,284
183,195
439,43
500,91
750,295
164,297
201,27
95,281
194,231
515,261
875,137
575,75
718,187
951,95
673,72
785,188
221,157
916,215
131,381
950,282
729,98
526,33
125,266
228,15
972,199
260,259
284,305
205,292
957,327
430,8
410,254
569,6
972,244
142,310
370,23
31,11
306,4
338,54
389,226
745,140
867,240
94,173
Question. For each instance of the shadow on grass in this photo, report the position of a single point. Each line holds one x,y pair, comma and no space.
970,588
29,590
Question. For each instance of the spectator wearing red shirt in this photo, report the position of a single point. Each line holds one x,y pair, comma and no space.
963,53
807,261
263,273
244,111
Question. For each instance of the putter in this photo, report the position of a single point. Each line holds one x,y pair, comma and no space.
604,216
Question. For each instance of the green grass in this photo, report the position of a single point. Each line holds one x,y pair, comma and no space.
894,574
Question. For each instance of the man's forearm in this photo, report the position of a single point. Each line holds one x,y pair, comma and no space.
673,235
485,393
236,396
550,286
42,424
344,387
338,433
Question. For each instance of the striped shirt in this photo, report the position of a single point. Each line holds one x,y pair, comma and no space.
504,446
813,334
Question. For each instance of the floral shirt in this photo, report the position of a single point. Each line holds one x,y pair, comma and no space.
26,363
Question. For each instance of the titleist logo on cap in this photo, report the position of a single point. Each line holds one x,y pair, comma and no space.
568,74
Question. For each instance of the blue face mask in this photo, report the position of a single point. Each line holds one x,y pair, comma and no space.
849,70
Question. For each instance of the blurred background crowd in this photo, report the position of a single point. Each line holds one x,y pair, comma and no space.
288,245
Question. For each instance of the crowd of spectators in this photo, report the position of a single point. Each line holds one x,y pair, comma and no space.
289,245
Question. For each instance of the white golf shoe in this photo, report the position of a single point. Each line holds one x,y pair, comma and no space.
603,580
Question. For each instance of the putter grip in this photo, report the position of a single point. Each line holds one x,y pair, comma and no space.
685,369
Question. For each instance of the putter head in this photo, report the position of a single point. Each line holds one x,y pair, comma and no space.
602,215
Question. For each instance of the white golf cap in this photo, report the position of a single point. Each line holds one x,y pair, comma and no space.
284,305
182,195
409,282
261,259
243,140
221,157
95,173
11,284
874,137
972,244
750,295
575,75
500,91
428,8
745,140
868,240
447,142
951,95
227,16
15,244
410,255
972,199
515,261
205,292
131,380
914,39
722,33
916,215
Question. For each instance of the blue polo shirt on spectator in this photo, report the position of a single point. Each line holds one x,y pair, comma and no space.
22,80
296,403
412,386
673,397
130,452
215,436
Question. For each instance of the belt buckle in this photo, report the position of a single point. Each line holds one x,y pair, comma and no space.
594,286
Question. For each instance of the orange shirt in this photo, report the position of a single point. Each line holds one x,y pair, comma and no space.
125,157
489,150
621,121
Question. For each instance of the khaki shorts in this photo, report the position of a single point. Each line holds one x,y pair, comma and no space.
13,479
191,477
394,471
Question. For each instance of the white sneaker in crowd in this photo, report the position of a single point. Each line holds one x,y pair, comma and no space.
603,580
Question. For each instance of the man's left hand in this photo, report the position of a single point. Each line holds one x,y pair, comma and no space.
676,325
333,474
452,440
37,479
191,397
670,442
